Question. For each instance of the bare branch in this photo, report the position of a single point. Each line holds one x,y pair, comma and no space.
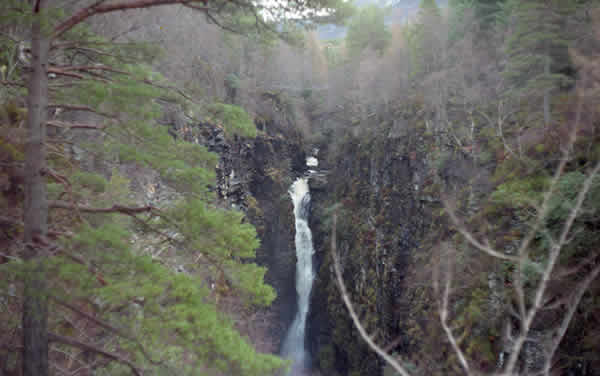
486,248
580,290
443,313
575,269
552,259
355,320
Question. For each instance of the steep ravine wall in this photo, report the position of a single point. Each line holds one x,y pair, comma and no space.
386,185
376,183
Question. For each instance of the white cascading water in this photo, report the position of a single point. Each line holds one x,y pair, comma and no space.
293,346
312,162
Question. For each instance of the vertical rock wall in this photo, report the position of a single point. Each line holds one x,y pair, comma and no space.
375,181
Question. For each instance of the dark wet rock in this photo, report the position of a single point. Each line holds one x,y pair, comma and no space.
374,183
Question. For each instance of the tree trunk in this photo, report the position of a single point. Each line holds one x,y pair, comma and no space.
35,303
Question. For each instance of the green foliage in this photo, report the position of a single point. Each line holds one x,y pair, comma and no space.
94,182
429,7
172,303
11,114
568,187
232,81
234,119
367,29
487,13
108,260
424,39
459,12
527,192
11,150
537,47
333,52
523,192
220,237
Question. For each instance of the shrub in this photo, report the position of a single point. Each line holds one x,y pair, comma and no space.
234,119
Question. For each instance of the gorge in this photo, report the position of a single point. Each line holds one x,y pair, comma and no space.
175,177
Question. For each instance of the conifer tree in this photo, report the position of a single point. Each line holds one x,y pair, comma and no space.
367,29
78,259
424,38
537,49
485,11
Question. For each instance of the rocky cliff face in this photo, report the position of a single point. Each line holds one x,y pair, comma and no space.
376,182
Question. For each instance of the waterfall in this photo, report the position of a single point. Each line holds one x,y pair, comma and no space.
293,345
312,162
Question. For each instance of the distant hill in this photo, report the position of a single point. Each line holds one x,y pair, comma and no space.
402,11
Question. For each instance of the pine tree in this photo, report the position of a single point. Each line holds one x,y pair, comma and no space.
367,29
78,260
484,11
484,15
425,39
537,50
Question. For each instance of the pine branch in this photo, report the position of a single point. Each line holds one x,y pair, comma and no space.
52,337
10,221
100,53
74,107
65,125
114,209
8,36
62,72
103,324
85,68
213,19
97,8
169,87
12,83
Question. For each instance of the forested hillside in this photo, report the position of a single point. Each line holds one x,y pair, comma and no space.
443,170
